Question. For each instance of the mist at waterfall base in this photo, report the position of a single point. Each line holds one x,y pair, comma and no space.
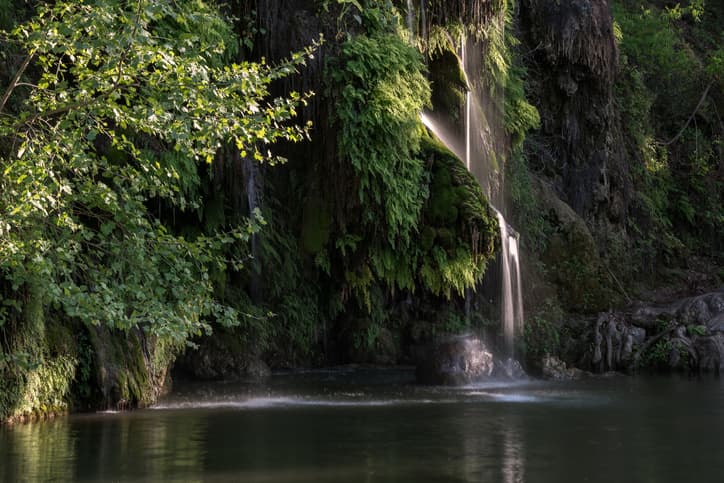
479,159
376,425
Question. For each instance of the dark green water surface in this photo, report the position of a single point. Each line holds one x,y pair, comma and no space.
355,425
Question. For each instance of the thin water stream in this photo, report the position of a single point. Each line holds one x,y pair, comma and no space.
364,425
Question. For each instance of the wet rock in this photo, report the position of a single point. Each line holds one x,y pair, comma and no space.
556,369
455,360
682,354
615,342
702,309
710,352
508,369
685,334
716,324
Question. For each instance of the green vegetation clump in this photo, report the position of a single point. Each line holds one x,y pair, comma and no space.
460,231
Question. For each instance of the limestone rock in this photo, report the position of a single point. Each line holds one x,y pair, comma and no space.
455,360
556,369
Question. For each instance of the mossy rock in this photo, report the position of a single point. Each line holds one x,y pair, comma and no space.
456,199
130,367
448,84
460,231
572,256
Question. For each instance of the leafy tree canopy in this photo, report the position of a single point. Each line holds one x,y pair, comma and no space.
112,106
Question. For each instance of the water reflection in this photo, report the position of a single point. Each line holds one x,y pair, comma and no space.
513,464
103,448
25,450
658,430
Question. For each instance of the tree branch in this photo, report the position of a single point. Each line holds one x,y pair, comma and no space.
15,81
688,121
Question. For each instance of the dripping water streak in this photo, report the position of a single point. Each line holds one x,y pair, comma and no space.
467,129
411,20
250,169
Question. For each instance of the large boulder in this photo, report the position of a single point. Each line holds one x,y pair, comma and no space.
455,360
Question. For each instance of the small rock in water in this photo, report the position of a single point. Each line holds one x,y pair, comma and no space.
556,369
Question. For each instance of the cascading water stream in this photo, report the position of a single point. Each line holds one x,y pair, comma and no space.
511,290
517,282
507,312
411,20
511,293
468,102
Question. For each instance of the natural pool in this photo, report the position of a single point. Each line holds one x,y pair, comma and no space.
368,425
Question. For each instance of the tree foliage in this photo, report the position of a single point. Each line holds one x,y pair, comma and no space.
669,95
112,101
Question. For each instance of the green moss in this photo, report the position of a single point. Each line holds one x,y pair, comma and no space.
37,374
130,367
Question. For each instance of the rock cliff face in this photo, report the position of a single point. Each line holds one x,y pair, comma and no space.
572,71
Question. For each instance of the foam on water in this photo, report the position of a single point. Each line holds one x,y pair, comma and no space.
281,402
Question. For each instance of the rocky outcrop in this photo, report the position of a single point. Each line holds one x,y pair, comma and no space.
221,356
455,360
574,65
684,335
571,253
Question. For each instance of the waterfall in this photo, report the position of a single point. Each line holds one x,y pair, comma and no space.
511,287
467,128
517,285
507,312
411,20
